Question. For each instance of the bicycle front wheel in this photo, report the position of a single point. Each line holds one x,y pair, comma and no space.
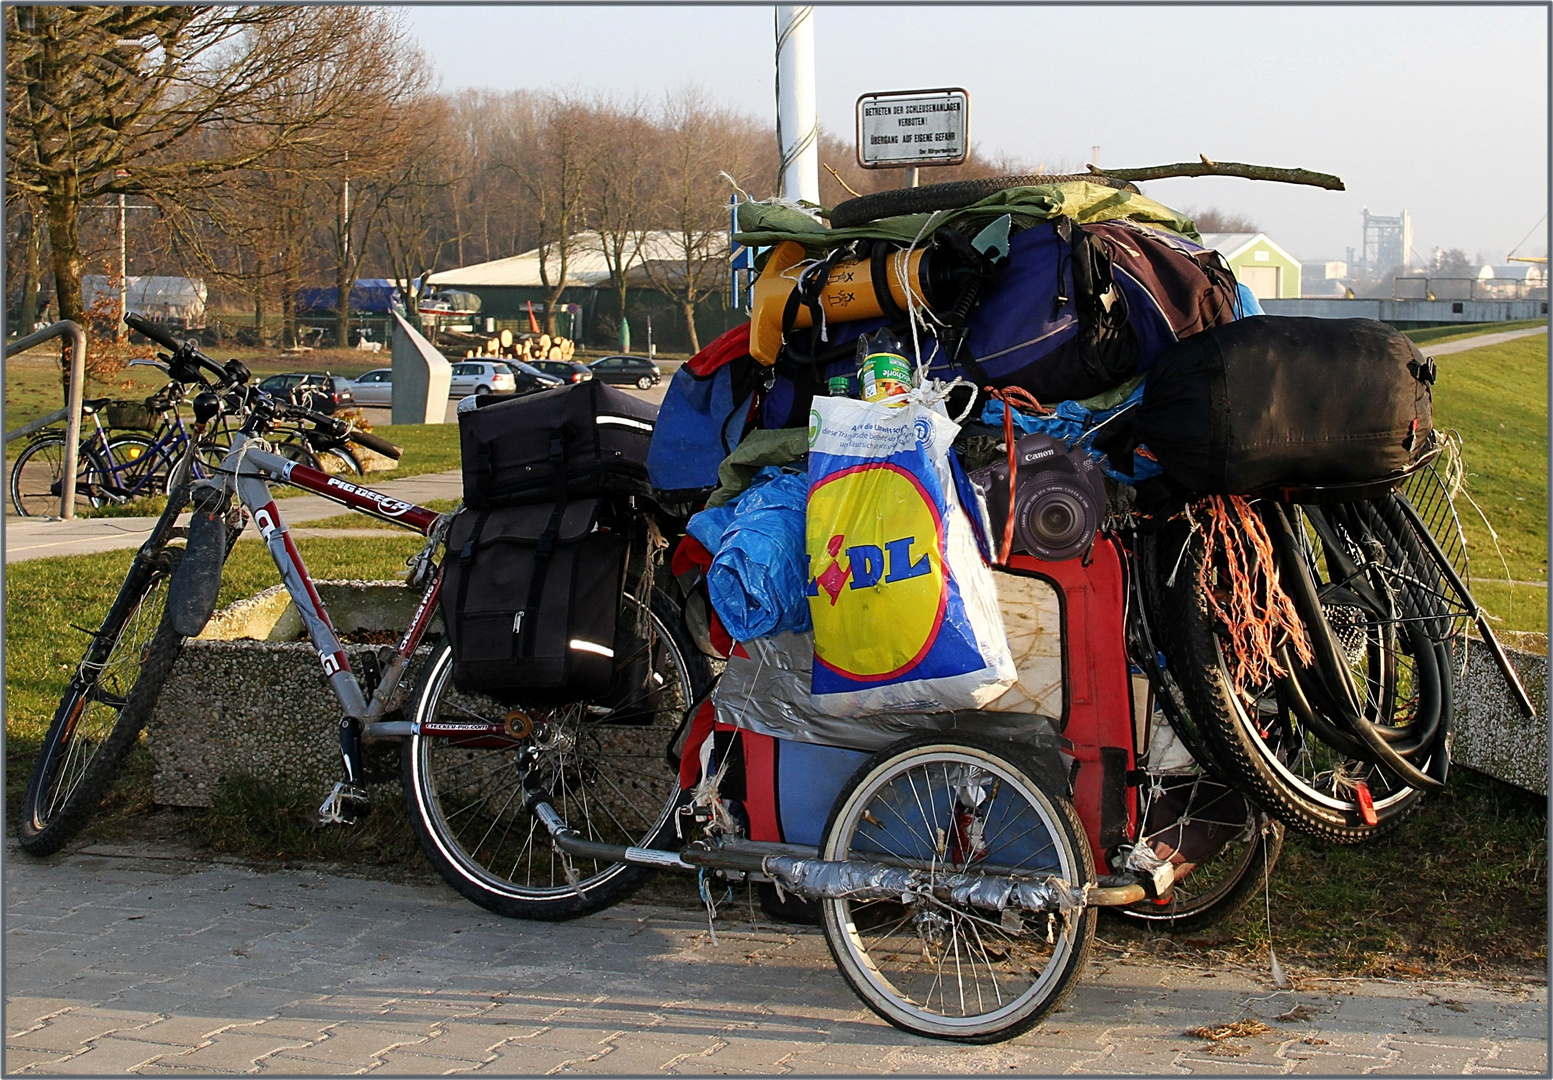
604,764
337,461
100,717
942,968
38,475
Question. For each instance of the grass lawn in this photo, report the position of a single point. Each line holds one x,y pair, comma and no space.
1496,397
1439,335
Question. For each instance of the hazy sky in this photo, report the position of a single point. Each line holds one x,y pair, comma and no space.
1441,111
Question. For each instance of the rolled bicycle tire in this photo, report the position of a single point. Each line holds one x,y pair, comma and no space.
605,767
1260,746
949,971
101,716
39,469
949,196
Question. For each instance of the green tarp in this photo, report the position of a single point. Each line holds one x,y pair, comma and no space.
763,224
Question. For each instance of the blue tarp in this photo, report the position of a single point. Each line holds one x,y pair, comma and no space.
370,296
757,577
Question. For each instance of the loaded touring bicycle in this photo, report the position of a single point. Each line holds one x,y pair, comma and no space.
1171,666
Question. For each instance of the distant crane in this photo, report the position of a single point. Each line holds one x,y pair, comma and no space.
1512,257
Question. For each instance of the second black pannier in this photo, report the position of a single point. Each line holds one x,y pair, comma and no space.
1273,401
576,441
531,596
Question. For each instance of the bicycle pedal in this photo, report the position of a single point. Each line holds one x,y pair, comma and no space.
346,805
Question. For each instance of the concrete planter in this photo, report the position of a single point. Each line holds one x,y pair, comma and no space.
1491,734
248,695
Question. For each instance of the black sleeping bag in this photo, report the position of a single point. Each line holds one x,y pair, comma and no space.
1273,401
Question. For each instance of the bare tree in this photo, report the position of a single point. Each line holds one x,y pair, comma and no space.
415,208
1213,220
108,100
698,142
555,168
621,188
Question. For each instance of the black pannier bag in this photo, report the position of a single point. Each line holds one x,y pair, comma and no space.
531,596
1274,401
576,441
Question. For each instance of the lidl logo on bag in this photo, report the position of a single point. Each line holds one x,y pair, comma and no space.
877,586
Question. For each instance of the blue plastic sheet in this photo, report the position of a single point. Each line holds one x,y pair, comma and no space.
756,580
1073,423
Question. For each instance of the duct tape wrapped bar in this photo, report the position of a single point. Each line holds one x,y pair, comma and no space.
817,879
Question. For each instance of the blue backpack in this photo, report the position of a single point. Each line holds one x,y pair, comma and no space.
701,420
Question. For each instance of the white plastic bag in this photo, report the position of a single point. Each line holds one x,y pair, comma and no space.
905,608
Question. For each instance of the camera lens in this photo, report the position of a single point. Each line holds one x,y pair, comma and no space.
1055,518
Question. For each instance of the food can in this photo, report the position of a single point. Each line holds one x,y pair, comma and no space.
884,375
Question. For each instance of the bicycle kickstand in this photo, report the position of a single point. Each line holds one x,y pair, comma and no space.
347,803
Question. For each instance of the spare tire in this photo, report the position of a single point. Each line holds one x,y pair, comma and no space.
950,196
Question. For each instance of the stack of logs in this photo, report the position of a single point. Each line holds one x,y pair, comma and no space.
526,347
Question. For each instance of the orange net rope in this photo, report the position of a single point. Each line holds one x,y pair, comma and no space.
1248,598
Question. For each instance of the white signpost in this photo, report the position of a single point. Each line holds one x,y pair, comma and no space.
910,128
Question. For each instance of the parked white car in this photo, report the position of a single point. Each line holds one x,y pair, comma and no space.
376,387
482,377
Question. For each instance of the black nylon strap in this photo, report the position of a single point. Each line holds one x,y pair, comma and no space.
536,584
465,557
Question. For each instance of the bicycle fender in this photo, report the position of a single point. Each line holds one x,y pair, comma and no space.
191,595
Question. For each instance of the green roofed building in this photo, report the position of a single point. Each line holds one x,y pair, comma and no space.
1270,272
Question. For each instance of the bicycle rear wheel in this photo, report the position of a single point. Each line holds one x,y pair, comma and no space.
100,717
1222,845
37,477
604,764
140,467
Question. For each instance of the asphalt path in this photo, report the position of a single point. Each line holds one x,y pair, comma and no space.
139,960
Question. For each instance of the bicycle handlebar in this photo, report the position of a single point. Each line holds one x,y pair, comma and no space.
339,429
373,442
156,333
186,359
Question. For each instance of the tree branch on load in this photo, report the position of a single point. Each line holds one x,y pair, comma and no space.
1205,167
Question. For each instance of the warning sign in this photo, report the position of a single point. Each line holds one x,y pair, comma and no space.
913,127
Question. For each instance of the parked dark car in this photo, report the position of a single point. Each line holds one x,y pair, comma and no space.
569,371
321,393
530,379
637,371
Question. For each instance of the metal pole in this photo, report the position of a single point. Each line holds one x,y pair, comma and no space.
797,128
65,328
916,176
122,330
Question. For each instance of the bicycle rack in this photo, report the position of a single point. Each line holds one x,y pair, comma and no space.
71,413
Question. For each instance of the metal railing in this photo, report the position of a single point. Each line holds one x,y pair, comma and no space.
71,413
1465,288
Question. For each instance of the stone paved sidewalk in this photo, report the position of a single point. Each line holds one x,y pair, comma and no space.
121,963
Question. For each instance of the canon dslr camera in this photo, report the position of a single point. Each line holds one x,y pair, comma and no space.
1059,498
